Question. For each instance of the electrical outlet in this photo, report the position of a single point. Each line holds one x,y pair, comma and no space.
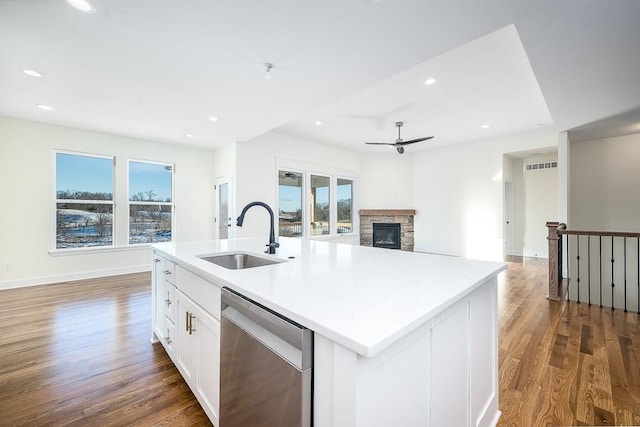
4,267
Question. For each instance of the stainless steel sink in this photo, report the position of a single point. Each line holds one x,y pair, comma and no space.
239,261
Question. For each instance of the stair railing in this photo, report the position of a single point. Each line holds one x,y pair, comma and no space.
602,267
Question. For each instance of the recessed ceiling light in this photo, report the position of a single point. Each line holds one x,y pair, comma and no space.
213,119
189,135
32,73
318,122
44,107
82,5
485,126
430,81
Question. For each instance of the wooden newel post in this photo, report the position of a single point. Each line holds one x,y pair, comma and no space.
555,275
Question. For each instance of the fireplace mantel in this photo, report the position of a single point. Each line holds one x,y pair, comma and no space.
402,216
387,212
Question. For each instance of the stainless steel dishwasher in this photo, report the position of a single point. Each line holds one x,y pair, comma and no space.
266,366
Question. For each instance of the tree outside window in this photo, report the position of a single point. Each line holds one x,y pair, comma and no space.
150,202
84,201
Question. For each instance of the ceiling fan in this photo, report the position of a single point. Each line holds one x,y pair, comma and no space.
399,144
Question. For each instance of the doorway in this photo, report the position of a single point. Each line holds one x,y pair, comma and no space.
508,218
223,216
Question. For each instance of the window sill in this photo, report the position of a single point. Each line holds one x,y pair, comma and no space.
81,251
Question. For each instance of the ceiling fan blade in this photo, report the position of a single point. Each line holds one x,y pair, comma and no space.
379,143
413,141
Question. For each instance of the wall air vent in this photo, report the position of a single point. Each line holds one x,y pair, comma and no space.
547,165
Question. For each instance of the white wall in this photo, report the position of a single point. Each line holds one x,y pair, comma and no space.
541,205
27,194
604,182
256,177
458,194
386,181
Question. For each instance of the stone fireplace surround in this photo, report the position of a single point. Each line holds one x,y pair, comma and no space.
402,216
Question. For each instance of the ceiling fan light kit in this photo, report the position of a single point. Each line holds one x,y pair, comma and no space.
399,144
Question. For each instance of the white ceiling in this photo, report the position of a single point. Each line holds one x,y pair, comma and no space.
157,69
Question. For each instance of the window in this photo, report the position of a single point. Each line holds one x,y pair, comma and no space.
320,215
150,202
314,204
84,200
344,204
289,204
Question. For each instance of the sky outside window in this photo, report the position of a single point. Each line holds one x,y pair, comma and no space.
146,177
84,173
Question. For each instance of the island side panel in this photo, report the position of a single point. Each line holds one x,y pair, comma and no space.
393,386
334,384
483,318
449,376
444,372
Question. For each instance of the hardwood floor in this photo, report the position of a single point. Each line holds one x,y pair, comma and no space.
78,353
563,363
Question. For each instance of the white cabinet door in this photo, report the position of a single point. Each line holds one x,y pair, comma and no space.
186,357
208,381
198,353
208,355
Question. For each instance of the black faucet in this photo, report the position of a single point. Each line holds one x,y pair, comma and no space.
272,236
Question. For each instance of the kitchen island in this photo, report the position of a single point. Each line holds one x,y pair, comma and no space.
401,338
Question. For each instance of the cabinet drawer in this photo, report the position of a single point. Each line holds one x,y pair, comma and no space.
170,302
206,294
169,270
169,337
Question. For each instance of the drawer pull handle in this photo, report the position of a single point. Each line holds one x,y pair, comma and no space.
167,272
191,328
156,260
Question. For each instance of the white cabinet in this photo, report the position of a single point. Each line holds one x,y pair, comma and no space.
163,291
198,353
186,312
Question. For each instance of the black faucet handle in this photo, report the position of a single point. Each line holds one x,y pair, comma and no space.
272,248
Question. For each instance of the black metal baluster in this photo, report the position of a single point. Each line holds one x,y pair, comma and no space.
578,266
560,260
625,274
568,243
600,239
589,266
612,281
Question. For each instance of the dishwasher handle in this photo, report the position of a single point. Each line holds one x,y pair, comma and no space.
293,333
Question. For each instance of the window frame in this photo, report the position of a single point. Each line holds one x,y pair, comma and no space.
333,174
56,201
130,202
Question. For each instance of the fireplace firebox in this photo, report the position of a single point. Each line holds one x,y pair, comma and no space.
386,235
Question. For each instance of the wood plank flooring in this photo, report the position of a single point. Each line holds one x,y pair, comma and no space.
78,354
563,363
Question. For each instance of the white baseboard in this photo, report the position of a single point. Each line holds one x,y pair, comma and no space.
34,281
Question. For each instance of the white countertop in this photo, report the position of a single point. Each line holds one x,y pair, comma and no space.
360,297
